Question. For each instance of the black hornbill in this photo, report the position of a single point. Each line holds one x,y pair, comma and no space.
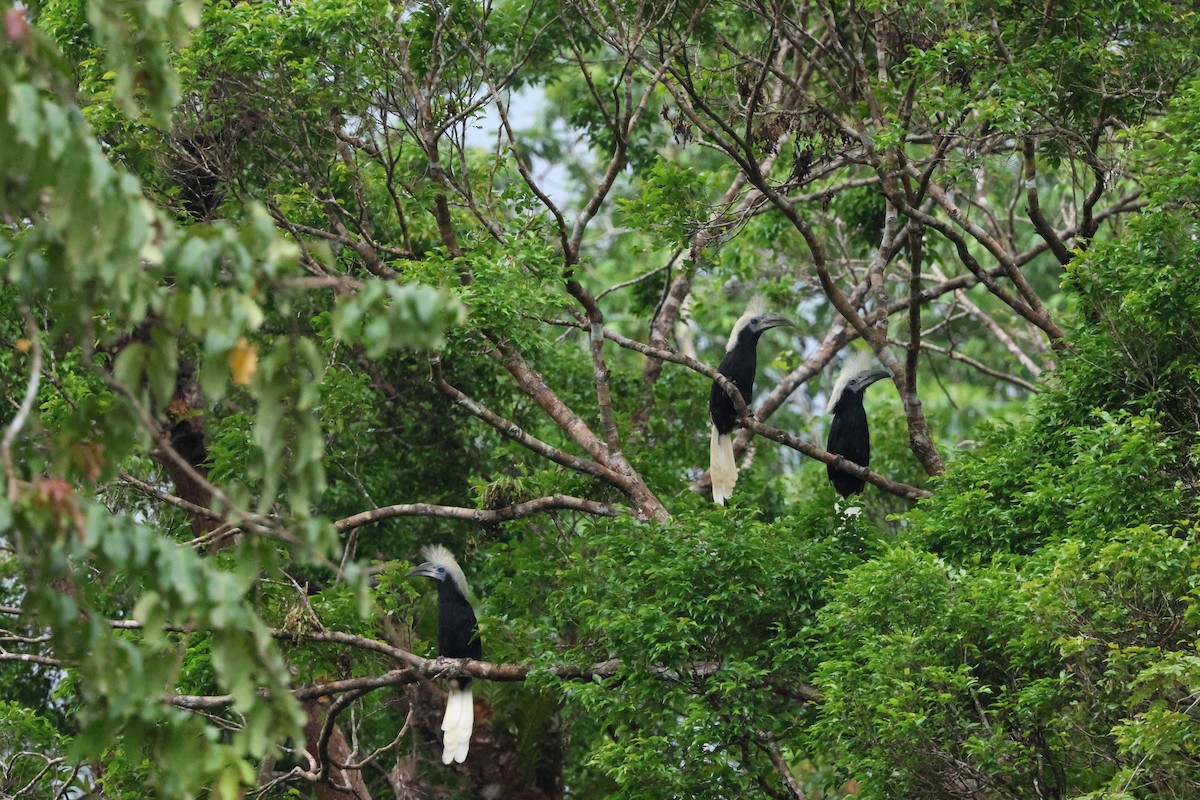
849,435
739,365
458,637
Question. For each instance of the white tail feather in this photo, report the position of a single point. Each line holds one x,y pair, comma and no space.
456,725
722,466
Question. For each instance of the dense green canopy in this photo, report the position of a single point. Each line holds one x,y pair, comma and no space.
291,289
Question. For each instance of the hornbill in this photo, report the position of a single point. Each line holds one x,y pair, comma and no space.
849,436
458,637
739,364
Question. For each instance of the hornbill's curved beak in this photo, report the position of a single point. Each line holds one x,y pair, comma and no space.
768,321
864,379
426,570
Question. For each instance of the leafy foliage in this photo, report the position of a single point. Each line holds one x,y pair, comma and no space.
1051,648
290,290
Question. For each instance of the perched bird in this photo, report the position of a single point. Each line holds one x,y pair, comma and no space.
458,637
739,364
848,433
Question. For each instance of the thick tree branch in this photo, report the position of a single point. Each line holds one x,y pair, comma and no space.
168,498
1033,206
513,431
783,768
746,421
415,666
534,386
621,474
30,658
1031,307
541,505
610,467
26,406
812,451
916,251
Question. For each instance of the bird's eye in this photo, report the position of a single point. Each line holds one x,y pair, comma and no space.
441,570
754,321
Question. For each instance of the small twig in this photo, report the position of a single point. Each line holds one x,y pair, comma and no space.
223,532
979,366
69,783
1033,206
998,331
640,278
381,750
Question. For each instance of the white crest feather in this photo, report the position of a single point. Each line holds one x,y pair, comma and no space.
438,555
757,305
856,363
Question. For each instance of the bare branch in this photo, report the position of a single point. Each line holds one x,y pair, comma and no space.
30,658
513,431
416,667
1030,306
535,386
1034,207
781,766
639,278
168,498
556,502
995,328
812,451
746,421
559,221
31,390
916,243
50,763
610,467
979,366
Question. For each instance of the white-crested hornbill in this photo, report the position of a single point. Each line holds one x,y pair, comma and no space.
849,435
458,637
739,365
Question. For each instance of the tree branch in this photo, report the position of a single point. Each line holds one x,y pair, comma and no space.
1034,208
416,666
556,502
775,434
168,498
433,668
23,410
812,451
